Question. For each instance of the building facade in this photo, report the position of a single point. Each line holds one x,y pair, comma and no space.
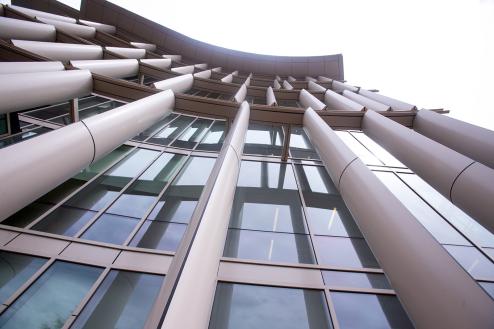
148,180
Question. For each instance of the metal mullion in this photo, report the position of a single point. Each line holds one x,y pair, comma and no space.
332,310
474,244
28,283
61,202
161,129
151,208
303,265
304,210
183,132
109,204
207,131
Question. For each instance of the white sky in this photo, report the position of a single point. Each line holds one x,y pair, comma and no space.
432,53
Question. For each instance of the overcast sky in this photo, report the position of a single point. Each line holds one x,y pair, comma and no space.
432,53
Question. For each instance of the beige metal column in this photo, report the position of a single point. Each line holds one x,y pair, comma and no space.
467,183
36,166
470,140
287,86
241,94
395,104
335,101
192,300
270,97
435,291
308,100
179,84
340,86
367,102
276,84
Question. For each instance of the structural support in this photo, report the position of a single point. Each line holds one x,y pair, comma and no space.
142,45
470,140
27,90
197,282
313,86
161,63
178,84
74,110
467,183
82,31
36,166
308,100
18,29
270,97
413,260
395,104
287,86
367,102
115,68
228,78
276,84
36,13
134,53
241,94
340,87
30,67
203,74
335,101
61,51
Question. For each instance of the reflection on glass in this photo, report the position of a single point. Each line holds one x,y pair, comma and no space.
240,306
15,270
213,141
355,280
435,224
344,252
154,128
179,201
326,212
65,221
123,301
264,139
136,200
300,145
192,135
357,148
159,235
50,301
473,261
269,246
175,128
17,138
104,189
488,287
111,229
31,212
380,152
266,175
369,311
466,224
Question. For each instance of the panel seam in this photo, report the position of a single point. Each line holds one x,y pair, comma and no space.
456,178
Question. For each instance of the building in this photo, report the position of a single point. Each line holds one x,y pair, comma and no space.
153,181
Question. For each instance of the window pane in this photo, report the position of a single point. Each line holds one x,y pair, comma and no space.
264,139
52,298
367,157
475,263
380,152
15,270
159,235
466,224
434,223
175,128
111,229
213,141
266,175
136,200
192,135
488,287
344,252
369,311
354,279
123,301
277,247
300,145
239,306
65,221
155,128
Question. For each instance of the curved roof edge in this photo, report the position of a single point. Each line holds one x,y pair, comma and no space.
172,42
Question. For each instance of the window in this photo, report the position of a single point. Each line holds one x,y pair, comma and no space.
50,301
15,270
300,145
264,139
369,311
240,306
123,300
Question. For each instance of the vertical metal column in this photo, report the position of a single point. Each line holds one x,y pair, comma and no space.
192,276
433,288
